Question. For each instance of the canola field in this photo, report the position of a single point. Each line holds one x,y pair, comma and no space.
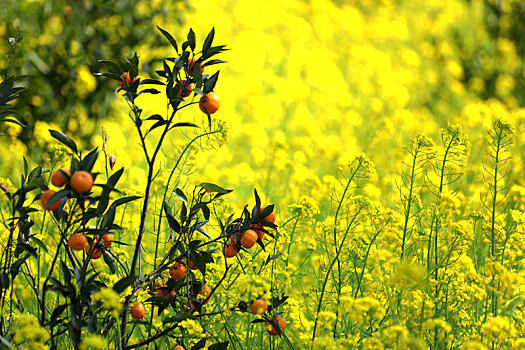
386,140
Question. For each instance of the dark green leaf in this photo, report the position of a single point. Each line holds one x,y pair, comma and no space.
123,283
178,192
209,84
181,316
208,41
89,160
170,38
199,345
66,140
110,260
112,66
214,188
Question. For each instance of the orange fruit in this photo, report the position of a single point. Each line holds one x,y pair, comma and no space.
280,321
178,271
249,238
192,265
107,239
96,253
211,102
162,290
77,241
230,250
192,62
45,197
137,311
178,347
185,89
257,228
259,307
126,79
205,292
270,217
81,181
57,179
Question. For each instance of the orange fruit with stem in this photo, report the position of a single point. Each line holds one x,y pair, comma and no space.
258,227
205,292
230,250
125,81
178,347
280,321
191,63
259,307
249,238
77,241
44,198
58,179
178,271
96,253
137,311
81,181
211,103
107,239
185,89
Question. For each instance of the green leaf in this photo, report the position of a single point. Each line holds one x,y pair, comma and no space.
13,121
110,185
214,188
89,161
199,345
110,260
172,222
181,316
124,283
209,83
178,192
170,39
66,140
191,39
112,66
151,82
108,75
208,41
57,196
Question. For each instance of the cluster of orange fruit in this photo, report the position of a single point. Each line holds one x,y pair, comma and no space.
210,102
248,238
81,182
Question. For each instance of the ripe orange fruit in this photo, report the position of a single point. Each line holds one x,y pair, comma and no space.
257,228
249,238
57,179
137,311
205,292
95,254
192,62
45,197
259,307
185,89
107,239
178,271
280,321
230,250
81,181
210,102
178,347
126,79
192,265
270,217
77,241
